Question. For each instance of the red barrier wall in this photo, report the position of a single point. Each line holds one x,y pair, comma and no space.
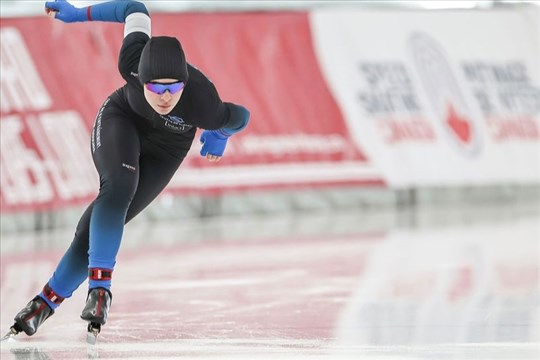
264,61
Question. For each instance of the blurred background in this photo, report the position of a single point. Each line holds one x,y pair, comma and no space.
390,171
355,105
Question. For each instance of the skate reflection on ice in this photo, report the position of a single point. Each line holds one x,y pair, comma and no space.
35,353
92,352
29,353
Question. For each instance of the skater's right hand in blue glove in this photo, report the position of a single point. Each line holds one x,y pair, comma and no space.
65,12
213,144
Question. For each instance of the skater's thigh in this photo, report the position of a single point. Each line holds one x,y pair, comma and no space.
157,167
116,147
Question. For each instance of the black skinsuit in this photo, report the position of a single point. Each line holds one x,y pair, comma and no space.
136,152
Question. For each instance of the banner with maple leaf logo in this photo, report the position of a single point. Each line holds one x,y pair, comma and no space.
437,98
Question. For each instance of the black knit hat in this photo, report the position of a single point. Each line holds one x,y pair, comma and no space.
162,58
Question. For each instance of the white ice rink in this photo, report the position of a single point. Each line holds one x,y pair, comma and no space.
453,284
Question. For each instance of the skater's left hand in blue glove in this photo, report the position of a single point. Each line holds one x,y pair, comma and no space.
213,144
214,141
64,11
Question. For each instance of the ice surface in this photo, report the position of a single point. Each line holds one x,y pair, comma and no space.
331,286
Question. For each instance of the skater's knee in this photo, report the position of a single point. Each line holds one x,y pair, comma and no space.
118,189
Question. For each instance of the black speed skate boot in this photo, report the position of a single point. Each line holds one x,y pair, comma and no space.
96,311
32,316
35,313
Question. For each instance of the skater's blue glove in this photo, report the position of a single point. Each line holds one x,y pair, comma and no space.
66,12
214,142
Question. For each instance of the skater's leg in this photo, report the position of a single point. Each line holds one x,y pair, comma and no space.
72,270
111,126
69,274
114,137
116,157
155,170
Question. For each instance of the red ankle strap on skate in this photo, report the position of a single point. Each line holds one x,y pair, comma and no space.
99,274
51,295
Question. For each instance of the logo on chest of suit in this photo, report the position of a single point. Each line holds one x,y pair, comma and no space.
175,123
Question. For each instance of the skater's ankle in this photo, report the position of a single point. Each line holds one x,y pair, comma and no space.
50,297
49,303
99,278
93,284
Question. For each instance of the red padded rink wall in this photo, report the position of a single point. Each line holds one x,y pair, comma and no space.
265,61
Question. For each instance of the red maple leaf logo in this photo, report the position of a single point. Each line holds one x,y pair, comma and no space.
459,124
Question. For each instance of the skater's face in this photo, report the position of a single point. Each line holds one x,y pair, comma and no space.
163,94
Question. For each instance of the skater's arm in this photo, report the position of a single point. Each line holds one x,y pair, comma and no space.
112,11
237,121
215,141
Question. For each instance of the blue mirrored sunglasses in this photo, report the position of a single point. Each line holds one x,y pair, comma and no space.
160,88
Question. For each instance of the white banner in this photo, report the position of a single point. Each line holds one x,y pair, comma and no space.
437,98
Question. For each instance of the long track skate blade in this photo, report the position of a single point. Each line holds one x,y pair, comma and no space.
93,332
91,338
10,335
